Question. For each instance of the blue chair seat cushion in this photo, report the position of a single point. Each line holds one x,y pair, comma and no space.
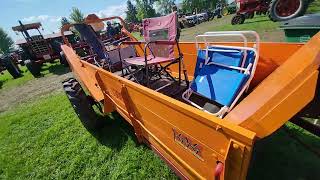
230,58
221,85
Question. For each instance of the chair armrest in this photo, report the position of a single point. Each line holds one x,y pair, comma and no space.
132,42
164,42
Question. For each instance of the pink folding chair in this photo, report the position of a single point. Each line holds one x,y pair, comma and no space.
160,36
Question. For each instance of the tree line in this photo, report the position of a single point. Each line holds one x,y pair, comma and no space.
146,8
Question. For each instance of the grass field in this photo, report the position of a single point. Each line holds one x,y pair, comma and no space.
45,139
7,81
314,7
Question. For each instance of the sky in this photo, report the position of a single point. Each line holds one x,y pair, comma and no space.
49,12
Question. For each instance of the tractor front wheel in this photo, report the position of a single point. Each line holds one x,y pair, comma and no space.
63,59
81,103
33,67
238,19
282,10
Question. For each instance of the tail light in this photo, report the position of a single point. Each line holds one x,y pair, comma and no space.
218,171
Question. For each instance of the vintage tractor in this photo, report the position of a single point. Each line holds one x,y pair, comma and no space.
38,49
279,10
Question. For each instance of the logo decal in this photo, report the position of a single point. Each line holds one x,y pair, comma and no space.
187,143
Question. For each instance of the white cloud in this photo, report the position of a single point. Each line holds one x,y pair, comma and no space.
52,23
41,18
118,10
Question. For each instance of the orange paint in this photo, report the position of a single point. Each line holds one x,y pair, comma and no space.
193,142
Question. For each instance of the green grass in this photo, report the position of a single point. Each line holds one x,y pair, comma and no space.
314,7
268,30
46,140
7,81
258,23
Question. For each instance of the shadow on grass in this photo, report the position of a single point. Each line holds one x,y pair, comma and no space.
113,131
59,69
279,156
56,68
1,84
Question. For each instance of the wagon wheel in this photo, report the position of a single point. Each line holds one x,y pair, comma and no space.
282,10
81,104
238,19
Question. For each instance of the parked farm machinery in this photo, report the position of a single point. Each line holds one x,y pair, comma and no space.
201,106
38,49
278,10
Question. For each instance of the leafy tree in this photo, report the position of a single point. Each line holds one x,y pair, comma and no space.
145,9
76,15
6,43
164,6
189,6
131,13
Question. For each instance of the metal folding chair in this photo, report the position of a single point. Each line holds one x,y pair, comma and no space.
160,36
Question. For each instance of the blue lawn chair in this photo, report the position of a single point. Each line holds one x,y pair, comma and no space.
221,76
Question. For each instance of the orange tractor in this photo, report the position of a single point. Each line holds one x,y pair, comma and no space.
200,105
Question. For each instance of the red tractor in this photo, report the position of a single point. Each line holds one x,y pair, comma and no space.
38,49
279,10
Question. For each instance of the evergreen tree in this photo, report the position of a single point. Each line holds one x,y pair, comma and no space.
6,43
145,9
131,13
164,6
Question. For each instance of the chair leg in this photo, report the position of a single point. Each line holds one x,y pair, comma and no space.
179,71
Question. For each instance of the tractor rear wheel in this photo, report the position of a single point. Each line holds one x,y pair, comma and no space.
238,19
250,15
12,68
81,103
282,10
33,67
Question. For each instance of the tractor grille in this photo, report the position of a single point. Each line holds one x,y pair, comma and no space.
40,47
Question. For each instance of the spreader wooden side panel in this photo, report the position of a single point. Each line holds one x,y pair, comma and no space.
192,140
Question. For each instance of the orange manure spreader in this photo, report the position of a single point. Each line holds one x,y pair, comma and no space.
200,105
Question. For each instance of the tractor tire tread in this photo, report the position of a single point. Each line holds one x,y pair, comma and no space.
81,103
